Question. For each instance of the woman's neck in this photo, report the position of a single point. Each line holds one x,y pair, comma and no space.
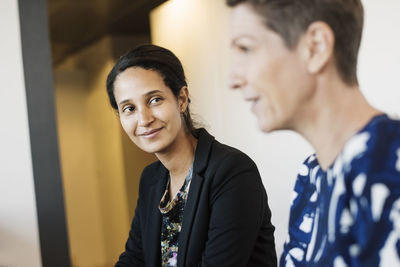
336,117
179,156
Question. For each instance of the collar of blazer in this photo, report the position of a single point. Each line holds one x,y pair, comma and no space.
201,158
203,150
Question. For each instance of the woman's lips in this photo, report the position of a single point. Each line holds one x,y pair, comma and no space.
151,133
253,101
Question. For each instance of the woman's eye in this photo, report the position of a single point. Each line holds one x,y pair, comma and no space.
243,48
244,45
128,109
155,100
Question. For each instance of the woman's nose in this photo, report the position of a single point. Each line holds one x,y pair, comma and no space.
145,117
235,81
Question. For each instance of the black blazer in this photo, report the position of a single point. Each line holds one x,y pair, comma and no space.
226,221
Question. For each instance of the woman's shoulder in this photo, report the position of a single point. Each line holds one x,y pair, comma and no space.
228,153
226,162
151,174
230,169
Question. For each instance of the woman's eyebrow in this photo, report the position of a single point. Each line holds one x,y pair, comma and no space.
153,92
123,101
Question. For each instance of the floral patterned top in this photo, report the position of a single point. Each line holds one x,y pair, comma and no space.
172,216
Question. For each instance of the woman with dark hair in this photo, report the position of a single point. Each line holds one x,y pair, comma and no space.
202,203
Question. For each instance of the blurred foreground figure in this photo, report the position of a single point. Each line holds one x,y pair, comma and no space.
296,62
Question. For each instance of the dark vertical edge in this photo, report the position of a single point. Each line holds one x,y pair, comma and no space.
36,55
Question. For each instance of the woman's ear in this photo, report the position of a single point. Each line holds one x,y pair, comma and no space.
319,43
183,99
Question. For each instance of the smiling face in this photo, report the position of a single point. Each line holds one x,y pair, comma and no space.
149,112
272,77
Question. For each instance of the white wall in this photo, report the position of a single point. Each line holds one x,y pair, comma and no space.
196,30
19,241
379,63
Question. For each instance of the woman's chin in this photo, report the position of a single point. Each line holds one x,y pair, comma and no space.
265,126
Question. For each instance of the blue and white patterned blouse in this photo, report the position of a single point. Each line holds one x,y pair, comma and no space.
349,215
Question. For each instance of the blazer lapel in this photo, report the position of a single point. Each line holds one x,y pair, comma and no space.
188,216
153,225
200,163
